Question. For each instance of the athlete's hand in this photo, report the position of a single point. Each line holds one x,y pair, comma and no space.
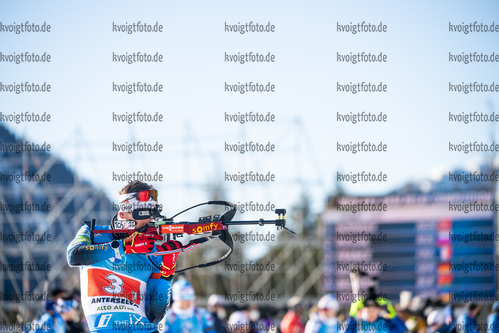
390,312
140,243
169,260
355,307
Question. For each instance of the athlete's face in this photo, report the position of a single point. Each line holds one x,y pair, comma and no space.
139,223
474,313
184,305
372,313
329,313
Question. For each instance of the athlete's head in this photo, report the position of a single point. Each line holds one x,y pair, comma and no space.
473,309
294,304
238,322
49,307
328,306
216,304
183,294
435,320
371,311
136,195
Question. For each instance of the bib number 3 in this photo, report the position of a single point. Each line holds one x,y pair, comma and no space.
115,286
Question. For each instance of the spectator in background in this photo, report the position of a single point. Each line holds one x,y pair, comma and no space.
51,321
184,316
493,319
259,322
69,308
253,314
56,294
375,315
414,322
218,312
326,319
437,323
292,322
466,322
410,311
444,299
267,323
313,313
238,323
449,315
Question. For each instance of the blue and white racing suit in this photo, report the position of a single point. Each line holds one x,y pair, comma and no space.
50,324
119,292
196,320
316,325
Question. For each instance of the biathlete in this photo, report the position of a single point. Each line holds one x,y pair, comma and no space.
122,289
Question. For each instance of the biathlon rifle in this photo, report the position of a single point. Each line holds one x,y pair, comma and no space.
216,226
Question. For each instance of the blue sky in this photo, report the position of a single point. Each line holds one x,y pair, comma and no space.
305,102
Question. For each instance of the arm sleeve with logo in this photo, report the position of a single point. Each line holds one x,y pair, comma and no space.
81,251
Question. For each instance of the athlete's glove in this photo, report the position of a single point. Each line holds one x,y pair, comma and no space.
169,260
388,307
355,307
140,243
388,311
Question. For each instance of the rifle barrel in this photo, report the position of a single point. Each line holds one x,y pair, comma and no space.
275,222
